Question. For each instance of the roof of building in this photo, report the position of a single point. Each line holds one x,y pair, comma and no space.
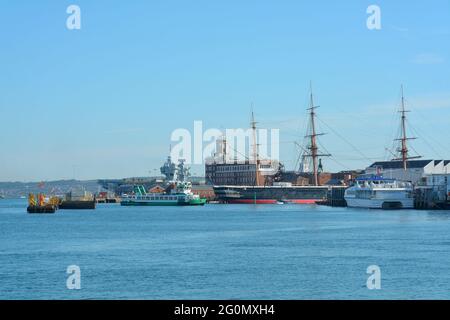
334,182
414,164
373,178
446,162
291,176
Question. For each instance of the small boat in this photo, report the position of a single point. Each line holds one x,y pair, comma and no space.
376,192
180,194
42,209
42,205
106,197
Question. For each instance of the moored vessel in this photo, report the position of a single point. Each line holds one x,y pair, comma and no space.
271,194
179,194
264,181
376,192
78,200
42,205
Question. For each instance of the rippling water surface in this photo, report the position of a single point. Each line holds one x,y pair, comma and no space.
224,252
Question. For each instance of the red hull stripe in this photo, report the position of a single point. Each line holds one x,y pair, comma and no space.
260,201
304,201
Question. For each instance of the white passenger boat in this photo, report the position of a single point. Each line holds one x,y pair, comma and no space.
376,192
180,195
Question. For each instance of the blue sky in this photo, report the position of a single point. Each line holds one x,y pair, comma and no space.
101,102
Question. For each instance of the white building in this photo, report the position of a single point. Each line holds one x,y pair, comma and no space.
447,166
440,184
417,170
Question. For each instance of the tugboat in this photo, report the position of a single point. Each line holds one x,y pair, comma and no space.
41,205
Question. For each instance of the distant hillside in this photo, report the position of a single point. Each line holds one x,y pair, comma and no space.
18,189
60,187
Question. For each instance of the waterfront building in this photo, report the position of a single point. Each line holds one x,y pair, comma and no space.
416,170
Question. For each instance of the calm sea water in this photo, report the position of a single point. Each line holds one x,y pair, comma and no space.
223,252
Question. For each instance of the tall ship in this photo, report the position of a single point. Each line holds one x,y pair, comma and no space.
377,192
271,194
264,181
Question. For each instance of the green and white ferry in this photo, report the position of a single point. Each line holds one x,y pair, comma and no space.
179,195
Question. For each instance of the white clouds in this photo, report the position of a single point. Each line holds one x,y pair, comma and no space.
419,102
431,102
122,131
427,58
399,29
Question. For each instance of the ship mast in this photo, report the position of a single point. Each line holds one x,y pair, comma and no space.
255,147
403,149
313,148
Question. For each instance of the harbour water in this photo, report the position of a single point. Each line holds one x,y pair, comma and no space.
224,252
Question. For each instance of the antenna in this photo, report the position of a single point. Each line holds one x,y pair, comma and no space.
255,146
